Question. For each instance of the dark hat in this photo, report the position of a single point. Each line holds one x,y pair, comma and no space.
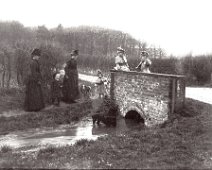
74,52
144,53
119,49
36,51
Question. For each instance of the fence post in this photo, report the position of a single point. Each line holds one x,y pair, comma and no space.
173,95
112,86
184,90
211,78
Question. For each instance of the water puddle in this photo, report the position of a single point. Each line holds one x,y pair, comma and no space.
65,134
10,113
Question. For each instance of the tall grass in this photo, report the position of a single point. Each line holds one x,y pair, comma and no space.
5,149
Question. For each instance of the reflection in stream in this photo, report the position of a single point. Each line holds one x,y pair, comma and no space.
66,134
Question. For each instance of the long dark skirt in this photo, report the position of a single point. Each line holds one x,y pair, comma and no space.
34,100
70,87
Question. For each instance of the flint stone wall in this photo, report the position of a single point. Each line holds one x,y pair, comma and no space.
153,96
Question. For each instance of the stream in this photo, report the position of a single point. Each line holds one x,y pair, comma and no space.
65,134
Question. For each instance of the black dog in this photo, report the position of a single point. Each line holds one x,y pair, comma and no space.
107,120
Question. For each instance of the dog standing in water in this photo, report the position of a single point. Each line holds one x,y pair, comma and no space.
107,120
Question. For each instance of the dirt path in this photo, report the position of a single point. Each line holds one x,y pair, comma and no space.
199,93
88,78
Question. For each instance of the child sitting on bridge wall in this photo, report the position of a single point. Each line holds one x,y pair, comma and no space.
121,60
145,62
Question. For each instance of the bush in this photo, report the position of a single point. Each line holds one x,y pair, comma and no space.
202,69
81,142
198,69
52,57
167,66
5,149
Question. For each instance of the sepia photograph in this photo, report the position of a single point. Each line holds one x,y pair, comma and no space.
105,84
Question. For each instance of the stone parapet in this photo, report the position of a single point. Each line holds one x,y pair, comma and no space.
154,96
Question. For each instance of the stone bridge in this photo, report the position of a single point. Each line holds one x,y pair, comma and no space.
153,96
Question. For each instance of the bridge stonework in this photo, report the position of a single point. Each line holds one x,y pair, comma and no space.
153,96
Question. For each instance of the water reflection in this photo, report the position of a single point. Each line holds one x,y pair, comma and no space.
66,134
122,126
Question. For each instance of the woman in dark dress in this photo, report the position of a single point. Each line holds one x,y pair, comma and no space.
70,82
34,100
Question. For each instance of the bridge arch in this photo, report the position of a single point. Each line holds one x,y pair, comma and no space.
132,114
133,107
134,111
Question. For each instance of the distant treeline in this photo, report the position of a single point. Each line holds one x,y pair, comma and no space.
97,49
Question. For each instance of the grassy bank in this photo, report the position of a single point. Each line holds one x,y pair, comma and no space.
183,142
13,117
45,118
11,99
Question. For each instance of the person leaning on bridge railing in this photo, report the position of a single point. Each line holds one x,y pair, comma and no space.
121,60
145,62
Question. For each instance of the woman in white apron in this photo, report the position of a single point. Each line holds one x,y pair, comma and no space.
121,60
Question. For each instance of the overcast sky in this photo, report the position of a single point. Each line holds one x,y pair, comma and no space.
178,26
